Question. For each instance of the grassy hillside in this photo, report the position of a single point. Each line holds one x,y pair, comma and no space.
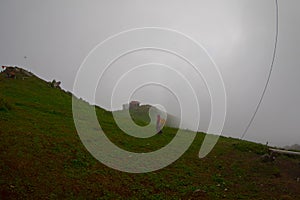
42,157
140,115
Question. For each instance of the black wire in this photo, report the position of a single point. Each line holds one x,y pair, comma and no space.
271,69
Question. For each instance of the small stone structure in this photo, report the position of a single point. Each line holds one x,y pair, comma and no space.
13,72
134,104
10,71
55,84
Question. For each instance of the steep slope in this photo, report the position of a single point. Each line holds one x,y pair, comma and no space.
41,156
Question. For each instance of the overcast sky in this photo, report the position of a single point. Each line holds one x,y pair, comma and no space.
52,39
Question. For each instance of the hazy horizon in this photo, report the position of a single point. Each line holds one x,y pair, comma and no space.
52,39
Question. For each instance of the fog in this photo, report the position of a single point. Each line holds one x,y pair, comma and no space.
53,39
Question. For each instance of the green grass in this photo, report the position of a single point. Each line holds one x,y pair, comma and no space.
4,105
42,157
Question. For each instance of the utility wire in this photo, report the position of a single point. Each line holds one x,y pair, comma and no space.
269,76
